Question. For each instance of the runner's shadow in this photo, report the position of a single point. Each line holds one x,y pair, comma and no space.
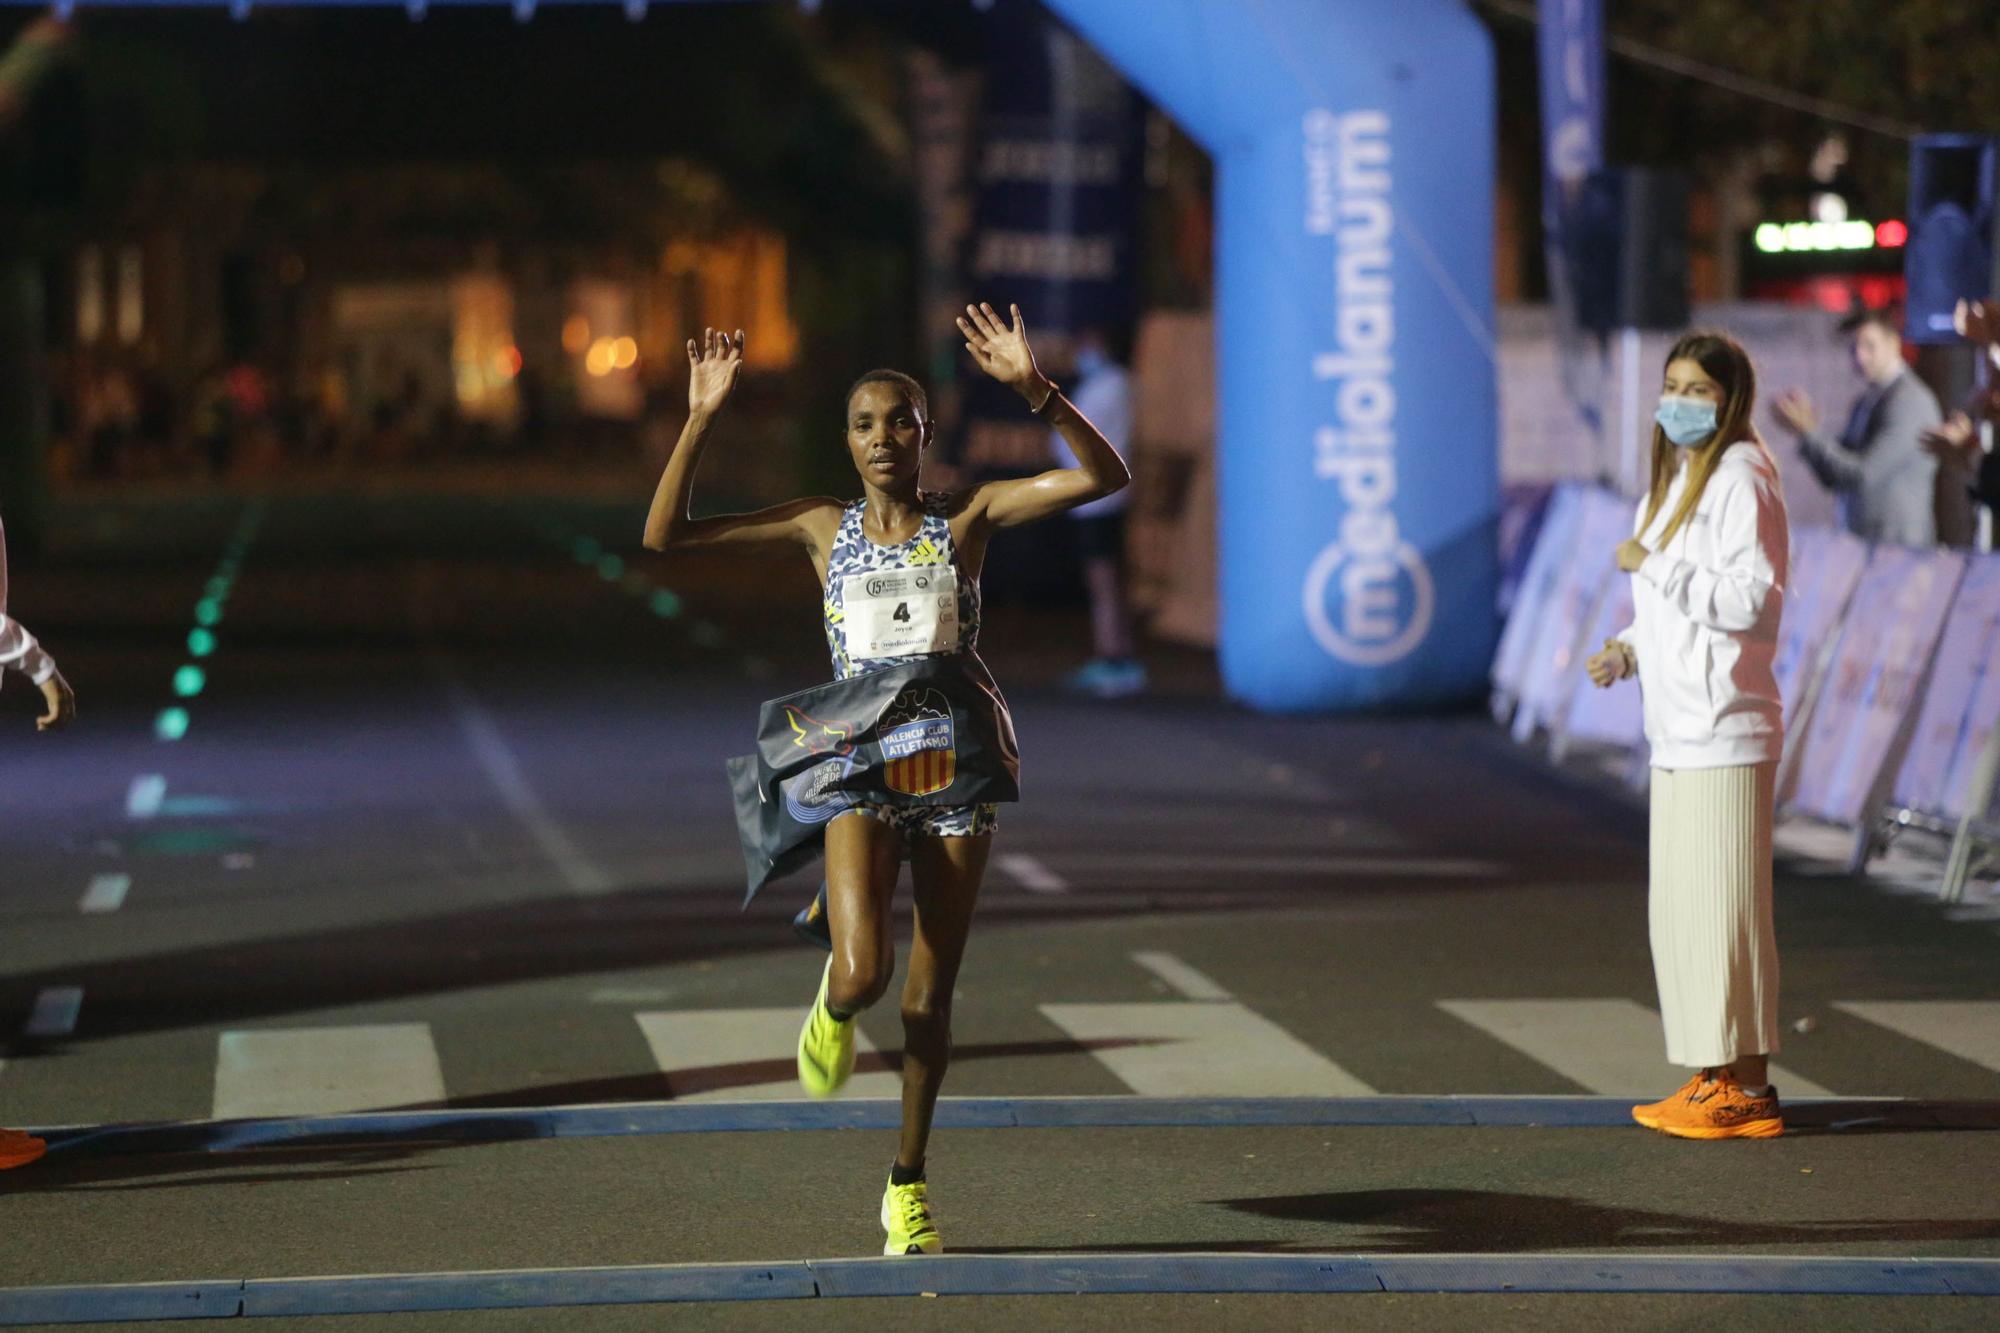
59,1173
1490,1222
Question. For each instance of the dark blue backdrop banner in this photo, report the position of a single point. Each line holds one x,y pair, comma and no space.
1055,224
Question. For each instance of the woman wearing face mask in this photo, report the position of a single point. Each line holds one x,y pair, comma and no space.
1708,565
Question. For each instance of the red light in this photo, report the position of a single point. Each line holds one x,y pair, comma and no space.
1891,234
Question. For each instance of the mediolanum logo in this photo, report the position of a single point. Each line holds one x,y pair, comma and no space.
1368,597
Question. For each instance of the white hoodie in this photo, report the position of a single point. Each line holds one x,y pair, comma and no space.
1705,618
18,648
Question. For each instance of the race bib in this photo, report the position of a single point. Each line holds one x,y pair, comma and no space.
900,612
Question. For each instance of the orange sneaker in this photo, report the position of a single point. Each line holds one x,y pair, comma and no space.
1713,1105
18,1149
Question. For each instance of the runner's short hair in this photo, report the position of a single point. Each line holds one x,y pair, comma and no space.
907,383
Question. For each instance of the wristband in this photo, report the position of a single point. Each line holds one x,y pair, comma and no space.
1055,393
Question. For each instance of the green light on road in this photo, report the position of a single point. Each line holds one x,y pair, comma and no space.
208,612
188,681
171,724
666,603
611,568
201,642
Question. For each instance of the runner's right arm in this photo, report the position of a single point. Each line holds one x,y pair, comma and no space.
713,367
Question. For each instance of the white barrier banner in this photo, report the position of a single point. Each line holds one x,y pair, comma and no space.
1603,520
1825,566
1966,688
1552,551
1615,716
1892,627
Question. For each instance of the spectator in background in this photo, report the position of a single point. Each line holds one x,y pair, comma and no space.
1103,394
1878,466
1956,440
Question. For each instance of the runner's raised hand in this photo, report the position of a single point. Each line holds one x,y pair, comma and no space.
1003,352
713,365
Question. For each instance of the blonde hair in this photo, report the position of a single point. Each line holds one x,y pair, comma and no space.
1723,360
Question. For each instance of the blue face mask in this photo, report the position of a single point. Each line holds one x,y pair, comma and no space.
1687,421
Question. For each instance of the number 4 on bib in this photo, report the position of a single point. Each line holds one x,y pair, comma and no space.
900,612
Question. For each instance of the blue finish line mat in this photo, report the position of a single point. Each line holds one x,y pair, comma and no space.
499,1126
992,1275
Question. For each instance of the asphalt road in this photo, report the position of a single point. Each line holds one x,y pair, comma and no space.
441,826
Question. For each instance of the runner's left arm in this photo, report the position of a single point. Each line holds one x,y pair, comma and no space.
1003,352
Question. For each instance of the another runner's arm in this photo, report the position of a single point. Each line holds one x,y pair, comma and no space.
1003,353
713,366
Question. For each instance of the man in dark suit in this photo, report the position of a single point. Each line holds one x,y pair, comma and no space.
1878,466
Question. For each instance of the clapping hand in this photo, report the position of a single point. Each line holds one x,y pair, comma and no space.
1977,321
1795,412
1953,440
61,701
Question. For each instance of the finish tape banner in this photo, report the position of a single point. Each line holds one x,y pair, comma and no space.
1358,469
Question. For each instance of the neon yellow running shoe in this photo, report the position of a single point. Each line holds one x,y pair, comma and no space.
826,1048
906,1216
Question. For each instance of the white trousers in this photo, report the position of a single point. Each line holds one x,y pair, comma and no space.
1715,953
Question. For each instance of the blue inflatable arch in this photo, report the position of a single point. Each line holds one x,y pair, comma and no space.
1357,459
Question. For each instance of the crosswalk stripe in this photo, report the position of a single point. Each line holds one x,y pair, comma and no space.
1190,983
745,1055
1203,1049
1609,1046
1032,875
145,796
105,894
325,1071
55,1013
1968,1029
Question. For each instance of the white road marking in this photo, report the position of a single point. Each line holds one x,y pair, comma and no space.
1968,1029
145,796
55,1012
1203,1050
1032,875
1186,980
579,873
105,894
326,1071
1610,1046
706,1050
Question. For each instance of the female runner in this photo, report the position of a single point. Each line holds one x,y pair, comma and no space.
894,525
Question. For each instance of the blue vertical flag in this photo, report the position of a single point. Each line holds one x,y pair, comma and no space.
1572,67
